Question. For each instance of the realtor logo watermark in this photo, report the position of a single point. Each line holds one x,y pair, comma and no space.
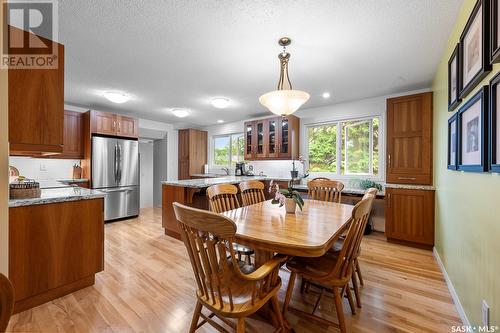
29,31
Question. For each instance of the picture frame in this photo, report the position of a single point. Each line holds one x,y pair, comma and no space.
494,128
454,80
494,32
474,48
453,142
473,133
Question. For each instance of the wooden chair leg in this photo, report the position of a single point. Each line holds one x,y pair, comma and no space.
339,308
358,271
356,290
276,307
241,326
349,298
196,316
289,292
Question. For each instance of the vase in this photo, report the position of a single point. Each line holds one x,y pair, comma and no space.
290,205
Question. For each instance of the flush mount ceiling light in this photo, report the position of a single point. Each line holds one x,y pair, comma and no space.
116,97
220,102
284,100
181,113
326,95
220,121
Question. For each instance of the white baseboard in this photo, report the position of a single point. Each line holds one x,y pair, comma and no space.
453,293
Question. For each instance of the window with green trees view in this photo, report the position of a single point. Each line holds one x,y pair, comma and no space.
345,147
229,149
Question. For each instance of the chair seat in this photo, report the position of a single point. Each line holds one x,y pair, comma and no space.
242,249
241,291
313,268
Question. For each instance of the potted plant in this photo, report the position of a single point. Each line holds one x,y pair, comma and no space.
289,198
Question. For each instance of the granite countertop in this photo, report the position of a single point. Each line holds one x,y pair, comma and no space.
411,187
54,195
206,182
346,190
70,180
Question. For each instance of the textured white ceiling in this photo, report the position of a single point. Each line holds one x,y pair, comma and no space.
181,53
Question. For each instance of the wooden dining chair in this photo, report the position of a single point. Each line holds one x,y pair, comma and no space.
6,302
223,197
325,190
252,192
226,287
330,270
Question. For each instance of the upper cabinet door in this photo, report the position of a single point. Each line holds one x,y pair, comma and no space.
260,135
36,107
127,126
73,135
288,138
249,140
272,137
103,123
409,139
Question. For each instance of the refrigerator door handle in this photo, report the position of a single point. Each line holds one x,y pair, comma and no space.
116,163
119,164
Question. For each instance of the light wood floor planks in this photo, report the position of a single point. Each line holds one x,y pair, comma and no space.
148,286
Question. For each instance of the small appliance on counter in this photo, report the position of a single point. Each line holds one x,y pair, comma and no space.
240,169
24,188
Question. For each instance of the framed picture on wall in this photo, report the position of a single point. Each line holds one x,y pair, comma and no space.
452,142
474,48
473,133
453,80
494,32
494,121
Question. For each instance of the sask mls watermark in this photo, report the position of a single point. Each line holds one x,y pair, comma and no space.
29,34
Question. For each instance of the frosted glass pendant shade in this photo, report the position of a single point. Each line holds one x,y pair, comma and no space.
284,102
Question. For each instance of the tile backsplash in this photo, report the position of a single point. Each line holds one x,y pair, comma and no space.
43,168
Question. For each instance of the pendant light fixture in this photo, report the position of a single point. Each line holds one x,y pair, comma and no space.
284,100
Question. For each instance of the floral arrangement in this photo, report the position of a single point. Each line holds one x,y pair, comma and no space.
282,194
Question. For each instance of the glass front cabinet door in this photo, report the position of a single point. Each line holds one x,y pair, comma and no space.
272,137
249,140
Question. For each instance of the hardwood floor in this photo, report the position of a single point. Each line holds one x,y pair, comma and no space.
148,286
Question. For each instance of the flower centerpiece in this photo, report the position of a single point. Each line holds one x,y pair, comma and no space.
289,198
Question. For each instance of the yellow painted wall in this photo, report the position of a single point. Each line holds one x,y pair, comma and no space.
467,207
4,163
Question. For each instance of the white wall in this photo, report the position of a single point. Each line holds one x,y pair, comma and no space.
43,168
146,167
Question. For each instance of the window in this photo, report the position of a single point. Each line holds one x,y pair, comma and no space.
228,149
355,144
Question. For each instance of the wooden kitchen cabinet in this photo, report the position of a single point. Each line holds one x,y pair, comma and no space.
36,107
192,152
272,138
73,136
127,127
111,124
409,216
54,249
409,139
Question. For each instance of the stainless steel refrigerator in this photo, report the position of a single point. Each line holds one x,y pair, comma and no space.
115,171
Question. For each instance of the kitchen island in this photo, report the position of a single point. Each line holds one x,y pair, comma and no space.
56,244
192,192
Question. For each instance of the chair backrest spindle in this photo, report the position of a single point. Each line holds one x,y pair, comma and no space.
325,190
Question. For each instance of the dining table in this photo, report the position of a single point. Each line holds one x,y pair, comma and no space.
269,230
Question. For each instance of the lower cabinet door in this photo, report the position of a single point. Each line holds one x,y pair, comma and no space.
409,216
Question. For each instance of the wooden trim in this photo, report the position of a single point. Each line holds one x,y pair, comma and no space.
49,295
451,288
